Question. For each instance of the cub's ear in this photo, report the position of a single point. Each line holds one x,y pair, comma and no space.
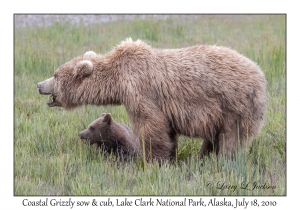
83,68
107,119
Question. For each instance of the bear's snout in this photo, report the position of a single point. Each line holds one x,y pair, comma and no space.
39,86
80,135
83,134
46,87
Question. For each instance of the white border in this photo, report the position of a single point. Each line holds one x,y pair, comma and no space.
8,201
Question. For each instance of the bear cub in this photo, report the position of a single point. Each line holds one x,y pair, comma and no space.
111,136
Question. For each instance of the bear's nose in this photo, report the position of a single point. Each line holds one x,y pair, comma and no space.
80,135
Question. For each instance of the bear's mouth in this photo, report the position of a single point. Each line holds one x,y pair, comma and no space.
51,101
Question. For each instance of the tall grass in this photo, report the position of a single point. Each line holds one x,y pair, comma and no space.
50,159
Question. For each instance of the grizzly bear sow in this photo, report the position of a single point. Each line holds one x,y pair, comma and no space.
111,136
209,92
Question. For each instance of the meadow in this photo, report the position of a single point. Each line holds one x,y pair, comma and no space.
50,159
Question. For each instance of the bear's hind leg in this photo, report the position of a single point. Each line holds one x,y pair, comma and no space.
207,147
230,139
210,142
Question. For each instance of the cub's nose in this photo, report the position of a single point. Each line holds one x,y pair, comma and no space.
39,85
81,135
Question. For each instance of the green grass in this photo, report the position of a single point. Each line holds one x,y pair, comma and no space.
50,159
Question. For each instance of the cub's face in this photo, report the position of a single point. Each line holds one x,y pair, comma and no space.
69,82
98,131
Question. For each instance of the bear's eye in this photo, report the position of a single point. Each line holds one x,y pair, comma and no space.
91,128
55,75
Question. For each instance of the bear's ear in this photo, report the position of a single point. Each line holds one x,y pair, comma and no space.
83,68
107,119
89,53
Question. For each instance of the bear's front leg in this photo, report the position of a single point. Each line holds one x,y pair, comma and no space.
158,141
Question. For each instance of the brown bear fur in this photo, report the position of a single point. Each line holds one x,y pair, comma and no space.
111,136
209,92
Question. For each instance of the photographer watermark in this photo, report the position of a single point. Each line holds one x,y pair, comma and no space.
223,185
